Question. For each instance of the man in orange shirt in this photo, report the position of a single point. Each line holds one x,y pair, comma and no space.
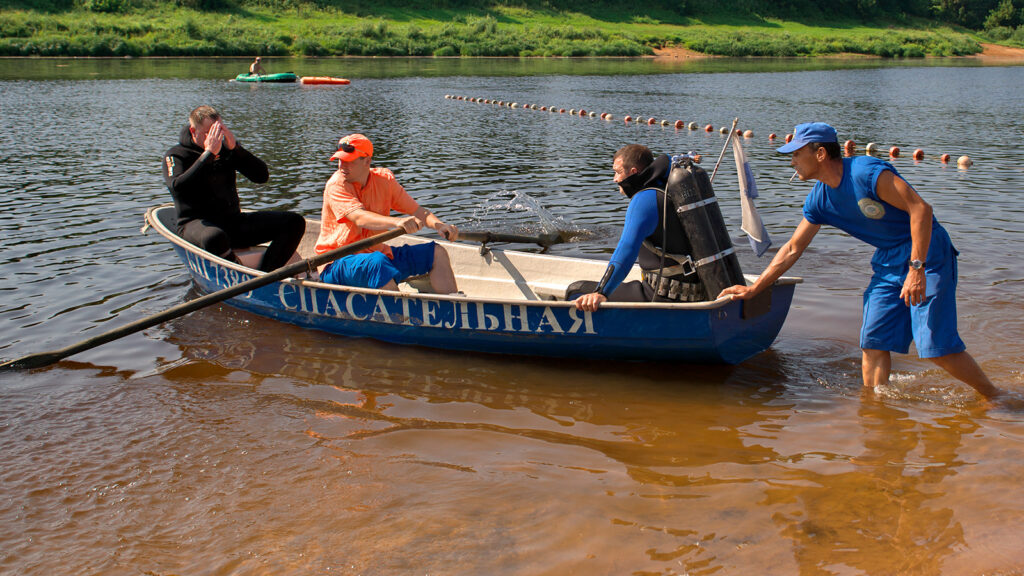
358,200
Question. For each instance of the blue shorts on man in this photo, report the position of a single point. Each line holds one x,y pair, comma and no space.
889,324
375,269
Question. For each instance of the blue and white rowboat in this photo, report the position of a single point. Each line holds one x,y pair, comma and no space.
513,304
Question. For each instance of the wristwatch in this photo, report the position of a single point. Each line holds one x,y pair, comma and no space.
916,264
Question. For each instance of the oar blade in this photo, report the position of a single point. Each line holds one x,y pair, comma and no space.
31,361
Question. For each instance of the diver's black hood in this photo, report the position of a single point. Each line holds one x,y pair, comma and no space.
654,176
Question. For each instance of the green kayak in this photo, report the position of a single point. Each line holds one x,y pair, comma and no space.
281,77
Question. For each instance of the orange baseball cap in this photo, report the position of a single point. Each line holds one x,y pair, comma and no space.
353,146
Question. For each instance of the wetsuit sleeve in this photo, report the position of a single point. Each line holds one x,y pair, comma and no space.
249,165
641,222
179,175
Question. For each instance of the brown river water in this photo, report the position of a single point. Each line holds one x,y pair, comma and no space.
225,443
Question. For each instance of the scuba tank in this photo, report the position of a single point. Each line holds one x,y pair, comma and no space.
713,255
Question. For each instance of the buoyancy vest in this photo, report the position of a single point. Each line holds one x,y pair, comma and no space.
664,257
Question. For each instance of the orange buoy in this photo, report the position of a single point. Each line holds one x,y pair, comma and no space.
582,112
679,124
561,110
543,108
894,152
918,154
772,136
748,134
944,158
697,158
789,137
628,119
739,132
651,121
964,162
849,147
709,128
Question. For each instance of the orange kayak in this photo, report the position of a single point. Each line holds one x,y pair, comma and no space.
324,80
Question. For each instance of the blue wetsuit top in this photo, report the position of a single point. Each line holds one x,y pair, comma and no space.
855,208
641,222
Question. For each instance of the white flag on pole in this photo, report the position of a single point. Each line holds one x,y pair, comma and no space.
751,223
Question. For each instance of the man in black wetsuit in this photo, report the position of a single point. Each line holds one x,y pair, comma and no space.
200,173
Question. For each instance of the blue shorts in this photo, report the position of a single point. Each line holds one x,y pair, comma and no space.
889,324
374,269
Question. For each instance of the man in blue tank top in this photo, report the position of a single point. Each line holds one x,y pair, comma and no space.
912,294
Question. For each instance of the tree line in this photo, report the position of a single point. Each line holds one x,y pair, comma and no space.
971,14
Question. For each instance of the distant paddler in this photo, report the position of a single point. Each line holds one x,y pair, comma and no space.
912,295
256,68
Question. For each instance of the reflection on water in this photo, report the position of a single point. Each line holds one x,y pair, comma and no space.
224,443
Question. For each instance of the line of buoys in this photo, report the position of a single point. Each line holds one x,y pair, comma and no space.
627,119
849,147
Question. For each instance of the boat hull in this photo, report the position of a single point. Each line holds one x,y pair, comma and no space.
324,80
714,332
283,77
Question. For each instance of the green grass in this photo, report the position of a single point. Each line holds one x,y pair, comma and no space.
113,28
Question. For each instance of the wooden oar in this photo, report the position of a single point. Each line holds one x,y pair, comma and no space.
46,358
544,240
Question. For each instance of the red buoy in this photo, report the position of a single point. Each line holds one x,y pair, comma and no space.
894,152
772,136
679,124
628,119
918,154
849,147
709,128
651,121
789,137
944,158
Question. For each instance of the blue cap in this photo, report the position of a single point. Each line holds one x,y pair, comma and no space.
804,134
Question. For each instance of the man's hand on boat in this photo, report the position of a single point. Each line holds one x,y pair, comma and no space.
590,302
739,292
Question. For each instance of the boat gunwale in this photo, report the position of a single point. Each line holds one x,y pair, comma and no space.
153,221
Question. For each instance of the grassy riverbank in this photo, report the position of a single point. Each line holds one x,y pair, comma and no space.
115,28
